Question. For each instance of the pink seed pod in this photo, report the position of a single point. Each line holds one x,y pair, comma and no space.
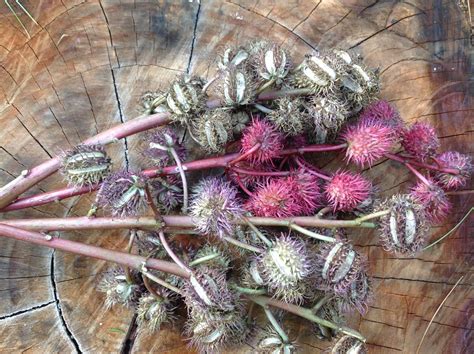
265,134
385,112
433,199
404,229
420,140
214,206
338,266
123,193
275,199
347,190
368,140
454,160
307,190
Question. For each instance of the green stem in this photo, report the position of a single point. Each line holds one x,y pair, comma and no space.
266,85
249,291
305,313
243,245
160,281
311,233
259,233
371,216
204,259
183,178
276,326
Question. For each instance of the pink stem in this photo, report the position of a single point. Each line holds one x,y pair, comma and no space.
311,170
411,168
245,171
242,186
171,253
422,164
246,154
123,258
213,162
315,148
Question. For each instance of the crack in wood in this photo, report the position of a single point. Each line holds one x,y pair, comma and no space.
384,29
59,310
22,312
304,20
193,42
130,337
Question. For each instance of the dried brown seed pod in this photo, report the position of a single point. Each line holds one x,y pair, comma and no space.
361,86
233,56
213,129
152,312
271,62
348,345
153,102
290,116
119,290
235,86
404,229
185,97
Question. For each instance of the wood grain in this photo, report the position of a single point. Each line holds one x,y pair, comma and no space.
85,67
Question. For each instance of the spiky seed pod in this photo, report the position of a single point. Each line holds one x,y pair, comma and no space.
328,113
359,296
123,193
215,206
338,266
213,129
433,199
118,290
213,334
168,192
185,97
368,140
153,312
271,342
420,140
404,229
348,345
385,112
148,244
239,121
211,256
330,311
347,190
234,86
272,62
85,165
153,102
265,134
284,268
290,116
233,56
361,86
318,73
251,277
159,143
307,190
454,160
277,198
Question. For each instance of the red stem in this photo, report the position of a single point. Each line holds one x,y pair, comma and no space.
21,184
245,171
213,162
245,155
311,170
422,164
123,258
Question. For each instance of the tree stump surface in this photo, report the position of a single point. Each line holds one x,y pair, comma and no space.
83,71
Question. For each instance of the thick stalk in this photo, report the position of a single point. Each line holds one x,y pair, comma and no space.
179,221
213,162
303,312
244,171
122,258
31,177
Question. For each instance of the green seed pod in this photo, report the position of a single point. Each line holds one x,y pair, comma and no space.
272,62
348,345
211,256
85,165
185,97
153,102
213,129
118,290
317,72
360,86
235,86
233,56
329,113
153,312
290,116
